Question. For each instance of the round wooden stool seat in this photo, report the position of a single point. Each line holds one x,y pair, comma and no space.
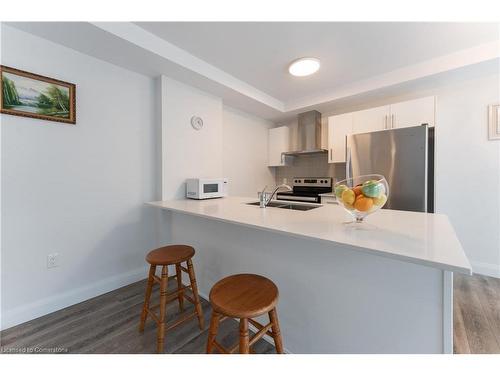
171,254
244,296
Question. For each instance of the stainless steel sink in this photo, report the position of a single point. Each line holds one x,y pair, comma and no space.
288,206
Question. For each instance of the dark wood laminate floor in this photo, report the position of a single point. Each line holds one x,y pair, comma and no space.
109,324
476,314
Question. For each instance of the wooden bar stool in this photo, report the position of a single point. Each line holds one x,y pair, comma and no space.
244,296
165,256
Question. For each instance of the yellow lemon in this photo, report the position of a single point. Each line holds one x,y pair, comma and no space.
380,201
348,196
340,189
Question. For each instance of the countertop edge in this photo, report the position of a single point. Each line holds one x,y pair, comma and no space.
432,264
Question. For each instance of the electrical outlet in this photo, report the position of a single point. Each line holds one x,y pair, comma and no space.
53,260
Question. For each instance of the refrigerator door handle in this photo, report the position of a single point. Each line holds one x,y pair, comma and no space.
348,167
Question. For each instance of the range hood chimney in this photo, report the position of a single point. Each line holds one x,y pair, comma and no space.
308,134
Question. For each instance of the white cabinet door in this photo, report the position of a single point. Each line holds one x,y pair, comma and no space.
338,127
279,142
413,112
371,120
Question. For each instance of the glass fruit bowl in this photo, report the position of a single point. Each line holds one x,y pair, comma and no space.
362,195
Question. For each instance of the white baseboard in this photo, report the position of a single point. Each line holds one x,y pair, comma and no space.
27,312
487,269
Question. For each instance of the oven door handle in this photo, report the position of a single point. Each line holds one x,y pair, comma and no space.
292,198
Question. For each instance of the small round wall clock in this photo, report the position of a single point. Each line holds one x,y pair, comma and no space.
196,122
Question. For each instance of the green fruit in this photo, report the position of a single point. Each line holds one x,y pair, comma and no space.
339,190
372,189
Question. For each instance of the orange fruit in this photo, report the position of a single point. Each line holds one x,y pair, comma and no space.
363,204
357,190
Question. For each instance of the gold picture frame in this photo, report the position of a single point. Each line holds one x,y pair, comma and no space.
494,122
32,95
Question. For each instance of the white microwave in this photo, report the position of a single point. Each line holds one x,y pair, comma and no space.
205,188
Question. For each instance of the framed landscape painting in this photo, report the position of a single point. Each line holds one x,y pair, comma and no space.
31,95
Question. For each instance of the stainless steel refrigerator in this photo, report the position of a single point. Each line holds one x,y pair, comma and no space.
405,157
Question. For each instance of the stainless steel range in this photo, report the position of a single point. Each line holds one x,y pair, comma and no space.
307,189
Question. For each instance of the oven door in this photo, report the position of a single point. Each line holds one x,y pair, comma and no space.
212,188
298,198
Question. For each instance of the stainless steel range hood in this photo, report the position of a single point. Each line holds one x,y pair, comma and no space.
308,134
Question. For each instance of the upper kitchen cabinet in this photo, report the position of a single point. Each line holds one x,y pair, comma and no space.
279,142
413,112
338,128
370,120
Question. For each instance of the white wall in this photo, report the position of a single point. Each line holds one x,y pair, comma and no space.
187,152
232,143
245,146
77,190
468,169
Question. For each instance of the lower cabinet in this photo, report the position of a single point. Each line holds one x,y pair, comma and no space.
328,199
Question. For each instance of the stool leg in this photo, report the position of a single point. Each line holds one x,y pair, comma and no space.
273,317
179,286
194,288
212,331
163,308
244,339
147,297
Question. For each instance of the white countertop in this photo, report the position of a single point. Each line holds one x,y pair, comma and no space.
426,239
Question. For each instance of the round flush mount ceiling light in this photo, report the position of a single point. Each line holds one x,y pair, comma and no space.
304,66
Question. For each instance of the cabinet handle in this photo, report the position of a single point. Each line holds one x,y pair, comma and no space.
331,154
392,121
282,159
385,121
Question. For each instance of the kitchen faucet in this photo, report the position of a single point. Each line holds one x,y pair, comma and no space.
265,198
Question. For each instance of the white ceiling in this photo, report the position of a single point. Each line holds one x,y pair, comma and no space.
246,63
258,53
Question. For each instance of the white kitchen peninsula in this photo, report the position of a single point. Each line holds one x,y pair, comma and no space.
383,289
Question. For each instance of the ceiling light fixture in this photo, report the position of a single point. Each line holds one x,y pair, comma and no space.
304,66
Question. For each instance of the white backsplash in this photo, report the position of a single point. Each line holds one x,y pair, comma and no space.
315,165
